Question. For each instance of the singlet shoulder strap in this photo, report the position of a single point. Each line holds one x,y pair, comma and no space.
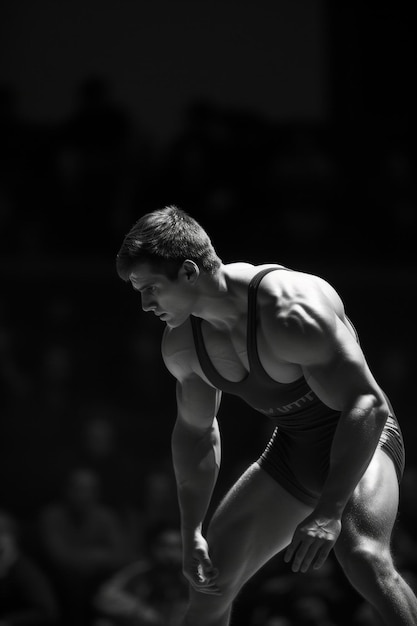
252,318
253,289
204,359
206,365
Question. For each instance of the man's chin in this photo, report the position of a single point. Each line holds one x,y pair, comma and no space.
173,322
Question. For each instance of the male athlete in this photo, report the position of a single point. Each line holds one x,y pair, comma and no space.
280,340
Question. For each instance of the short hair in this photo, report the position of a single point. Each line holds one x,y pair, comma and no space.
166,238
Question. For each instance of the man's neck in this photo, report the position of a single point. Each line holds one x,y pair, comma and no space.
218,303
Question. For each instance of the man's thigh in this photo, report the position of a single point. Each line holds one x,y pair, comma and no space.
255,521
372,510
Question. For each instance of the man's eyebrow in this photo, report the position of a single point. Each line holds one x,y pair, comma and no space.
142,287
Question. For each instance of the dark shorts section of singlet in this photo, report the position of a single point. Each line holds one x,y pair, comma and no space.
298,454
302,470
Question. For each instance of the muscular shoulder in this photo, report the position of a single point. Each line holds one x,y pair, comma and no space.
284,291
298,312
178,350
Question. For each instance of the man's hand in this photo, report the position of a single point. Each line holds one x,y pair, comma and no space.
312,542
198,568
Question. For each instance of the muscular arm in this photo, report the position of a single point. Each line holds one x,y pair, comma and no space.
195,450
355,441
363,415
341,378
196,457
316,338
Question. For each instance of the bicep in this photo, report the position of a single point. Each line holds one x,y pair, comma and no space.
197,402
329,355
343,377
342,380
196,437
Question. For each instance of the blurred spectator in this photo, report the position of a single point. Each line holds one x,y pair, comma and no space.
57,369
365,615
319,598
311,610
102,449
150,591
159,500
277,620
14,381
82,542
11,139
26,595
197,158
93,159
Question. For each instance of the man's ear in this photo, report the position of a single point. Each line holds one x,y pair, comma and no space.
190,271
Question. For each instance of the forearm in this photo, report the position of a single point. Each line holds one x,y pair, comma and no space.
354,444
196,458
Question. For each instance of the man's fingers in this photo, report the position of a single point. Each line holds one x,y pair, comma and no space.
322,556
306,553
312,542
305,548
309,557
289,553
204,575
206,571
205,584
298,546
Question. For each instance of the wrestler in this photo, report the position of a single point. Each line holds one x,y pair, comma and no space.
280,340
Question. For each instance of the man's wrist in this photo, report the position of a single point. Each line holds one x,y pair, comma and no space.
329,509
191,529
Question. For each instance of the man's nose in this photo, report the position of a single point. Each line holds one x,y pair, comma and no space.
148,304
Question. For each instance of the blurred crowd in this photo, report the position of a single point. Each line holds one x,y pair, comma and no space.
89,529
76,186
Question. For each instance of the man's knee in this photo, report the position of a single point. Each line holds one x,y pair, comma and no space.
208,610
229,578
367,561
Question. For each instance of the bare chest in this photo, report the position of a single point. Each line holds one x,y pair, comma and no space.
229,354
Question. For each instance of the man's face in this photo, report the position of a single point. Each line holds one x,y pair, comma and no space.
169,299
